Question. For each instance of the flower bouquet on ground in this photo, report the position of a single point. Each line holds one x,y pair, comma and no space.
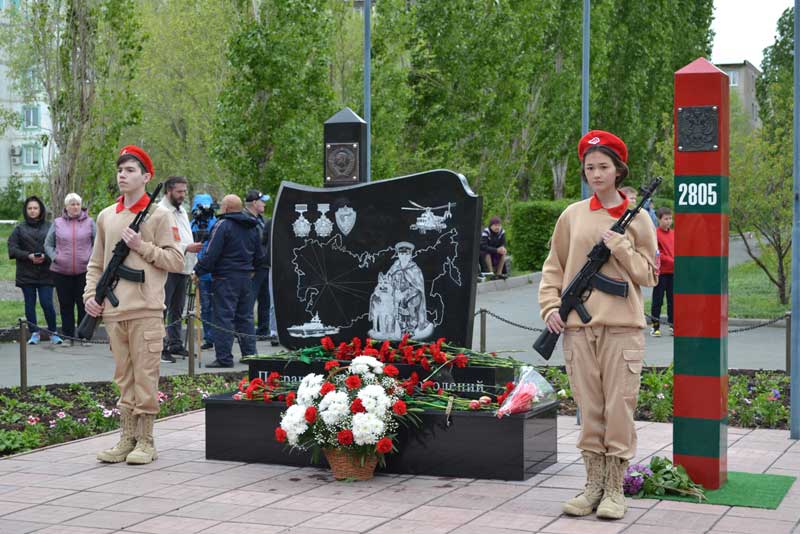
660,478
351,415
531,388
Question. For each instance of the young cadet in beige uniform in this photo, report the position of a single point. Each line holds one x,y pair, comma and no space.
136,327
604,357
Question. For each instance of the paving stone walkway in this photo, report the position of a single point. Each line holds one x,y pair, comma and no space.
63,490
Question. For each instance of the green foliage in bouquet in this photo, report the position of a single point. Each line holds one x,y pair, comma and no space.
661,478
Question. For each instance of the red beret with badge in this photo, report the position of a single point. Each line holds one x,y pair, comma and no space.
602,138
140,155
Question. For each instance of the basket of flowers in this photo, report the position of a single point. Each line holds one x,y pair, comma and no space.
351,415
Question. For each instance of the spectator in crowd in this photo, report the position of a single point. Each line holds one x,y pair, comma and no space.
136,326
68,245
26,246
604,356
203,221
175,190
255,202
632,195
493,248
233,253
666,254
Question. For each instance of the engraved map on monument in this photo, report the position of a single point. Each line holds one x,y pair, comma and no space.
398,289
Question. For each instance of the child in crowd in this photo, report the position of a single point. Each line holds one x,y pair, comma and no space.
666,252
493,248
604,356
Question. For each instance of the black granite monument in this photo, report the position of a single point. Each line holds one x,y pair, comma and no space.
376,260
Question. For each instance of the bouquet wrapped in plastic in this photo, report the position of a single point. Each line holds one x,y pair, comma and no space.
530,389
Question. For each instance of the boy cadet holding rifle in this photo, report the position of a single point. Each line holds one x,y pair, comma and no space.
136,326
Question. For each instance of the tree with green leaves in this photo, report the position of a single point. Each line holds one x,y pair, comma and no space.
277,95
79,56
761,166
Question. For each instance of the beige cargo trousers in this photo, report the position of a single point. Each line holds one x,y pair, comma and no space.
604,364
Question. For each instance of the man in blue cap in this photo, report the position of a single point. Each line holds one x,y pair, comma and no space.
255,203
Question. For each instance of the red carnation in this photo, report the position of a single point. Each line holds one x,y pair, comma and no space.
425,363
280,435
428,384
384,445
256,382
267,397
326,388
357,406
460,360
330,364
327,343
356,345
390,370
345,437
369,351
274,379
311,414
409,388
290,398
242,383
399,407
440,357
440,392
414,377
353,382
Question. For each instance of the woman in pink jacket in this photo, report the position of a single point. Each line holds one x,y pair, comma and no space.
68,245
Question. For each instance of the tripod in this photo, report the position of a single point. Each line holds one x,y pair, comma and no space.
193,313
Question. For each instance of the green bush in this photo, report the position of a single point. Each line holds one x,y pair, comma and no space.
532,226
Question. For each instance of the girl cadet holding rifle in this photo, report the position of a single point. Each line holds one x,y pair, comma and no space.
603,357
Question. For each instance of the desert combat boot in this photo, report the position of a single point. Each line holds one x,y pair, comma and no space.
613,505
586,502
127,441
145,451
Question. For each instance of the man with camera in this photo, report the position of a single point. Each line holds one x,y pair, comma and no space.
233,252
203,221
176,188
255,203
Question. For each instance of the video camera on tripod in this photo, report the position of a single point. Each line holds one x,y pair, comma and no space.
203,216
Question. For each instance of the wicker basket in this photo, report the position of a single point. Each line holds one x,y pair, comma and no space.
346,465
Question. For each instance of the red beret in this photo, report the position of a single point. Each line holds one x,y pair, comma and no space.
606,139
141,155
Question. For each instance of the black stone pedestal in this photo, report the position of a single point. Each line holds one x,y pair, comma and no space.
473,445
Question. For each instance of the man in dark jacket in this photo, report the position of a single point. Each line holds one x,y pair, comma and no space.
254,203
26,246
232,255
493,248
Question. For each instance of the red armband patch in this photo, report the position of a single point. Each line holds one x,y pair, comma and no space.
176,234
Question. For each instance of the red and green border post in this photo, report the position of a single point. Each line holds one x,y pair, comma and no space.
700,427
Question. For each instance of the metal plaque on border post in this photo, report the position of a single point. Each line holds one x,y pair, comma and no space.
698,128
341,163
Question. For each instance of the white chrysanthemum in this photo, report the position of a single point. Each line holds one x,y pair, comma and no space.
374,399
361,365
367,428
334,407
308,390
294,422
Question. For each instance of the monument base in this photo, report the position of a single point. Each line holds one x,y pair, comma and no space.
469,445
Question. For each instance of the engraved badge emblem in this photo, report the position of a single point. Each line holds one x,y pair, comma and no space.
345,219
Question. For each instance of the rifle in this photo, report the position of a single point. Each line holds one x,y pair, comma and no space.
589,278
114,271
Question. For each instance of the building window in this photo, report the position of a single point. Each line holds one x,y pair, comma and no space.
32,155
734,77
31,117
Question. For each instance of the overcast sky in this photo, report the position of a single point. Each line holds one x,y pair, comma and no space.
744,28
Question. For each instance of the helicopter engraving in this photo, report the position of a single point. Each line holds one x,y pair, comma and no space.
428,221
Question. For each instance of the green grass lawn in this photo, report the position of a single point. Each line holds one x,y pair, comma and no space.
8,267
751,294
12,310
